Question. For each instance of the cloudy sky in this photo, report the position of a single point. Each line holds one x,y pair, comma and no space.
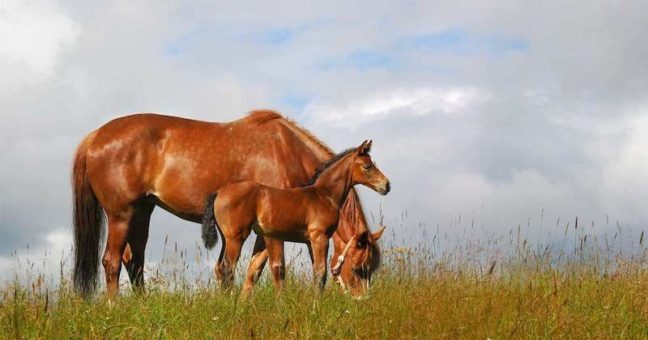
508,113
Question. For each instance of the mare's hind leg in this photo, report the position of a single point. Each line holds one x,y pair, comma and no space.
133,257
277,263
117,233
257,262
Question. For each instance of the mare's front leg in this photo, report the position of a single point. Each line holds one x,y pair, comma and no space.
319,244
277,264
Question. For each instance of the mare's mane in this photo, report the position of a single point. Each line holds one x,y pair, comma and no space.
263,116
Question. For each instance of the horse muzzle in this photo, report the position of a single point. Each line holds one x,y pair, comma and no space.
385,189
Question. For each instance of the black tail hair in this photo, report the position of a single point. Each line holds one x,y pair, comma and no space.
209,232
88,226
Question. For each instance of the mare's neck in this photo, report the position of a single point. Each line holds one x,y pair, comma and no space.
336,180
352,218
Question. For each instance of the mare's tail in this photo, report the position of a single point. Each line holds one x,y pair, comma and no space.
88,224
209,225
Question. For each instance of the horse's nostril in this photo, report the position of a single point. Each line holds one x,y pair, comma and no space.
388,187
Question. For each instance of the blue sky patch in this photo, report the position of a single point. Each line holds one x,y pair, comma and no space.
278,36
453,41
443,40
361,60
269,37
463,42
295,101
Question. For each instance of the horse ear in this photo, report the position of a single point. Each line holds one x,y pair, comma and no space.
377,235
364,148
363,239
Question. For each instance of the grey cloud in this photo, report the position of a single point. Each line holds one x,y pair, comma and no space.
559,113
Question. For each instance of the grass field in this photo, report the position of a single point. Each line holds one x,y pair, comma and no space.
472,292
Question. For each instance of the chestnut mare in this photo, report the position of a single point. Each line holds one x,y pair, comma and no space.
307,214
133,163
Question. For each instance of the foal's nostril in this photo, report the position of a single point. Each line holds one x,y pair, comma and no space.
387,187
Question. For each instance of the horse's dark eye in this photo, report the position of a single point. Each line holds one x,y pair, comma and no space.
367,167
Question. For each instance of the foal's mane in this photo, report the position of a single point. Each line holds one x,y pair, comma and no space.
327,165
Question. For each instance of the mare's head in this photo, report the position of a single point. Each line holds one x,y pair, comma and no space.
357,262
364,171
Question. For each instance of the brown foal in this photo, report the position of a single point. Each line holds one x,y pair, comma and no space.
308,214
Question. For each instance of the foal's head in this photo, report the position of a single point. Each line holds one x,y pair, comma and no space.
359,259
365,172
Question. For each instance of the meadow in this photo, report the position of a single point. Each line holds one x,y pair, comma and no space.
496,288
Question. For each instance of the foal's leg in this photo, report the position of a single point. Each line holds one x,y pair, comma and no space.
257,262
319,245
118,225
133,257
231,250
277,263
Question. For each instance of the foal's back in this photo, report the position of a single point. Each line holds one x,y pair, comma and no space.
280,213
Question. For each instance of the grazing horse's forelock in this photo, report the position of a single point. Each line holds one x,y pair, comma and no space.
327,165
371,256
375,258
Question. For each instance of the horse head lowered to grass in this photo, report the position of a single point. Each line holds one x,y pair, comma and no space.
309,214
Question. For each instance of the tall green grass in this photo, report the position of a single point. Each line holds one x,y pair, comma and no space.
496,288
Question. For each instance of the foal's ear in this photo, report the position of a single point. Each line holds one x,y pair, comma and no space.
377,235
364,148
363,239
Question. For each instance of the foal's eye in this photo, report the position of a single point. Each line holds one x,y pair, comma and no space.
367,167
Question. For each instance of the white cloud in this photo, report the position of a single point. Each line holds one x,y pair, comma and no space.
559,124
44,259
417,101
33,34
624,164
59,239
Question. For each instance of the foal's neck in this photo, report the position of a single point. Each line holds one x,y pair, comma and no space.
336,180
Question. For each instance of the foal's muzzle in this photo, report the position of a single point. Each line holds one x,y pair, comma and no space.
386,188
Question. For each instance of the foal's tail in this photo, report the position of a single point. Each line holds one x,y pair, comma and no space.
209,225
88,224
